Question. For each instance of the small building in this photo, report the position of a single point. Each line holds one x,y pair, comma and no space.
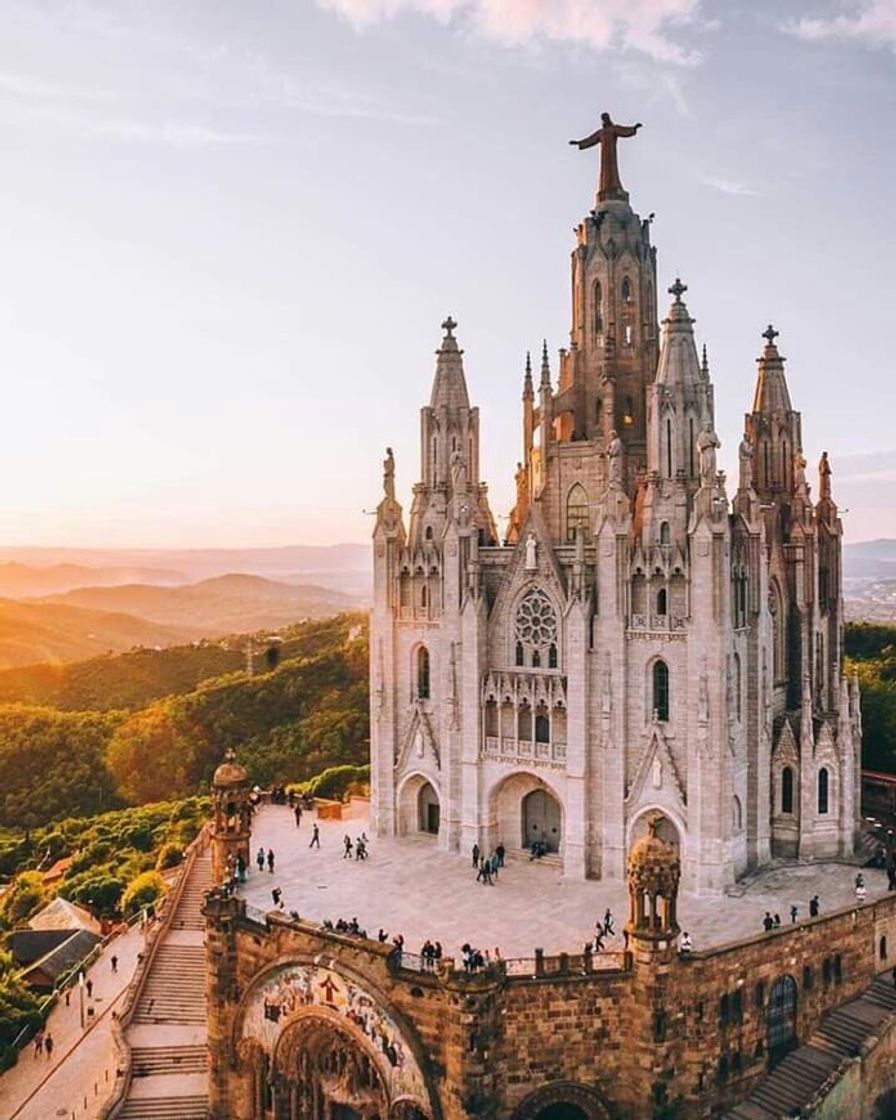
44,974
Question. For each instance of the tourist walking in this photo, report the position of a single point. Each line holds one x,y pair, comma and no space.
608,923
271,860
48,1046
768,922
89,986
114,963
277,896
259,859
500,852
346,847
814,906
297,813
794,910
315,836
475,855
38,1044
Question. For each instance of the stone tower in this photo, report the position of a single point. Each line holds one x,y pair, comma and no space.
639,644
232,818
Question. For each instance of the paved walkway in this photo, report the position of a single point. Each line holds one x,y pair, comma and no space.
78,1079
411,886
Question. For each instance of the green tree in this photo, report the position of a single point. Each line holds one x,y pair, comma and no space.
155,755
142,891
26,895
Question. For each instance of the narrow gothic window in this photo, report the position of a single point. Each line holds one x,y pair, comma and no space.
823,790
661,690
691,446
576,511
664,532
628,415
883,947
626,290
668,448
737,688
524,724
423,673
428,533
542,727
597,308
536,660
552,657
786,790
424,595
661,601
519,653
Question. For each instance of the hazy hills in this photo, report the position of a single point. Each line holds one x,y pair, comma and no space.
31,632
222,605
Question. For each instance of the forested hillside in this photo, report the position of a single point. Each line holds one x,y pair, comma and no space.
288,722
871,650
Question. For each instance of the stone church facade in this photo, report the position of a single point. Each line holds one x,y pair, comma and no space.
643,637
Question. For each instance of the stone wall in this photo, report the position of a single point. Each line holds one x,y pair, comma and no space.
663,1035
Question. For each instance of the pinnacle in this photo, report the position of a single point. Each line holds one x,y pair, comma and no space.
545,364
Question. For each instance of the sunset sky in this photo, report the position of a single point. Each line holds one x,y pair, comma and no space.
230,232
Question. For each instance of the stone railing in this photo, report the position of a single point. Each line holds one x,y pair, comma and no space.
505,747
124,1069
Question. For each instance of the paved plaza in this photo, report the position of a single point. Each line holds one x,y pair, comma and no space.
412,887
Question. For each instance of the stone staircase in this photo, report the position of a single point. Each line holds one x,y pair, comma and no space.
169,1057
790,1087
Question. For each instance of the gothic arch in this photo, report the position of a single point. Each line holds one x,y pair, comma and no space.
505,799
637,826
270,1040
408,801
580,1098
577,512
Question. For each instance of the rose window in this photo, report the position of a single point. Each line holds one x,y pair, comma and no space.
536,622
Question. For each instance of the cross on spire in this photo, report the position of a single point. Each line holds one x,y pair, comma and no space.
448,326
678,289
770,334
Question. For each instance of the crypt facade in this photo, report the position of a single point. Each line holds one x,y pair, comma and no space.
643,636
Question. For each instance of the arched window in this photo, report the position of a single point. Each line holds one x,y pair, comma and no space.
883,947
424,596
428,533
542,725
597,310
423,673
536,625
786,790
823,790
576,511
536,659
524,723
665,536
552,657
626,290
776,607
628,412
661,601
519,659
661,690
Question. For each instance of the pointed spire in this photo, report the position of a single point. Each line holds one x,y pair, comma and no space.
527,379
678,362
545,365
449,388
704,363
771,385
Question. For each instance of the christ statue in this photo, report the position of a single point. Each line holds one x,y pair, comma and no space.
609,184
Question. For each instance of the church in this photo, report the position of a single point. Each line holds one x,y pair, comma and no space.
647,640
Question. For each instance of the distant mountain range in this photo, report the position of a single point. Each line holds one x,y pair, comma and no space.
325,563
870,559
21,581
229,604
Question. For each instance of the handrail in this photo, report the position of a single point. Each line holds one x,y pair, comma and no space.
124,1072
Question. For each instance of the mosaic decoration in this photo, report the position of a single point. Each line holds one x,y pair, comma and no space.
273,1004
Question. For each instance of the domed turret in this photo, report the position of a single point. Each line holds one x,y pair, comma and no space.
230,774
654,871
232,822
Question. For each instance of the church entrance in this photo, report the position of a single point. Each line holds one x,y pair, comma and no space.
542,822
428,809
562,1111
781,1019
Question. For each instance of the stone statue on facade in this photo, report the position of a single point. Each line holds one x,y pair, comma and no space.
707,443
745,456
609,184
458,473
531,562
389,475
614,455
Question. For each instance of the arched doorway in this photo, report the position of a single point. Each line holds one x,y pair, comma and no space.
541,820
562,1111
428,809
321,1071
781,1019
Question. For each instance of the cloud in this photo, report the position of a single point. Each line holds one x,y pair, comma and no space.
647,26
866,21
727,186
